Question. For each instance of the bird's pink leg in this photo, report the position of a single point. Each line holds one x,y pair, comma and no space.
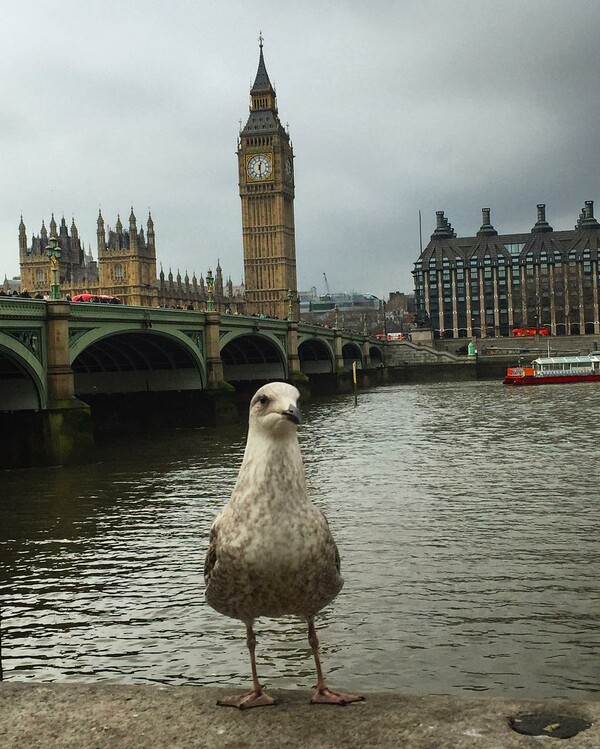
322,693
256,696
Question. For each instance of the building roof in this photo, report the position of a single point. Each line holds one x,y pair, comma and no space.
262,84
263,118
541,241
262,121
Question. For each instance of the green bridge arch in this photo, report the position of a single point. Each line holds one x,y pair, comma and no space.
192,344
30,365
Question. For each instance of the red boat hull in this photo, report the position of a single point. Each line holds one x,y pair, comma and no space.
555,380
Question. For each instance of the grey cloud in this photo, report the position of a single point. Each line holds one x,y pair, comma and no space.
393,107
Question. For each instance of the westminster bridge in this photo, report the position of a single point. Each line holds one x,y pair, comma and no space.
66,368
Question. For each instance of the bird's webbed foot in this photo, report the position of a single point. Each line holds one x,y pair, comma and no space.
324,695
253,698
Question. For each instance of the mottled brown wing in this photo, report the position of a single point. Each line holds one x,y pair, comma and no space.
336,553
338,564
211,555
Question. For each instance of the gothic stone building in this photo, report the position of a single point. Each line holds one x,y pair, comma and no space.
126,268
490,284
76,268
266,180
126,265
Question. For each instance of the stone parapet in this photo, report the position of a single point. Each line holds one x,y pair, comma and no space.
114,716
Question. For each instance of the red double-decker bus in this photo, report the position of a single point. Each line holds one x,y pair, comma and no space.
97,299
519,332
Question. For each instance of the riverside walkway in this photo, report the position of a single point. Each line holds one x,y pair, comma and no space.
111,716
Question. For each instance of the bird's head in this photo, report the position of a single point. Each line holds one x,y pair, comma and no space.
274,408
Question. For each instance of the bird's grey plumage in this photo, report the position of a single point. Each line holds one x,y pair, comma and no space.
270,549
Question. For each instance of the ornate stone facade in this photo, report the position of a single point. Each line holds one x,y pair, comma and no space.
266,179
127,261
126,268
77,269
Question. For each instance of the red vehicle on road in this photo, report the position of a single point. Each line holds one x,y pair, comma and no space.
520,332
97,299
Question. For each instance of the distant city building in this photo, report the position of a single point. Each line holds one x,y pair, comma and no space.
490,284
401,303
311,303
399,311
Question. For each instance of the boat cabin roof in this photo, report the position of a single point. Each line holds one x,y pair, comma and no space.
567,359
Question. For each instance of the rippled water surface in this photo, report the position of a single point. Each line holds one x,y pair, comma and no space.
467,516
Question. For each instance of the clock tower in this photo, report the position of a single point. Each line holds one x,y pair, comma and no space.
266,179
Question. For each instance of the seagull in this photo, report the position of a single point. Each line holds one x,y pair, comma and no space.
271,552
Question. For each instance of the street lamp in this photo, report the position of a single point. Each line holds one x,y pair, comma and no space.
383,305
336,317
210,288
53,252
290,300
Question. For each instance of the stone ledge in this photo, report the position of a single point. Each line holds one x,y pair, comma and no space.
116,716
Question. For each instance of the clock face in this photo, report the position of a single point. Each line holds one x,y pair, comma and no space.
288,168
259,167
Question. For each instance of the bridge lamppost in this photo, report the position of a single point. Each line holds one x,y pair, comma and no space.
336,317
290,300
210,289
53,252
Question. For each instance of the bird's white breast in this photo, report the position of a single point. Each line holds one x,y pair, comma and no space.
273,549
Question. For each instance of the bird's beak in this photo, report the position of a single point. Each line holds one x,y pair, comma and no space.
293,414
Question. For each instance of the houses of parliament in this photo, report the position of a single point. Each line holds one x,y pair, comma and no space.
126,264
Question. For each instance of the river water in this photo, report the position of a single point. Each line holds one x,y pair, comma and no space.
467,517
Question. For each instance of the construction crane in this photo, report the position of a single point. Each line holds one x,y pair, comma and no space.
326,285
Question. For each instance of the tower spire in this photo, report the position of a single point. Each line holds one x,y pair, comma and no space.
262,84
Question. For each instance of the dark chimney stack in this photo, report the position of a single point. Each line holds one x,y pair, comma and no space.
541,224
443,227
586,218
486,226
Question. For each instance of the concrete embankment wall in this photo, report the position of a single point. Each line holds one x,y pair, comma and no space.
526,346
433,372
414,362
110,716
406,352
417,362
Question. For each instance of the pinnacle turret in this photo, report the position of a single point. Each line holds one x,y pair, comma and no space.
22,239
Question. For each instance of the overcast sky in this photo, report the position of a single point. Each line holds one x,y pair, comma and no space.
393,107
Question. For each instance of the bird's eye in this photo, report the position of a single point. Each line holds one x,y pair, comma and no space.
263,400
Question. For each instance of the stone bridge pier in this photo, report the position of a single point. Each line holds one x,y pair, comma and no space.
67,427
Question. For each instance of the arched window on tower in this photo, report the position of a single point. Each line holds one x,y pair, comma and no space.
118,273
